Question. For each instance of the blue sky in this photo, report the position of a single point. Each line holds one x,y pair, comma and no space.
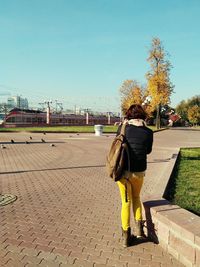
79,52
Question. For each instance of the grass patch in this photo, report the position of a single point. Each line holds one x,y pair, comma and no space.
62,129
184,187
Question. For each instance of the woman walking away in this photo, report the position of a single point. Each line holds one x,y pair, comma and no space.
140,140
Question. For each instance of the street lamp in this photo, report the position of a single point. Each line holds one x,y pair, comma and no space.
147,101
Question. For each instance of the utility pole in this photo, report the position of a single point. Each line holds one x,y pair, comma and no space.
48,111
58,104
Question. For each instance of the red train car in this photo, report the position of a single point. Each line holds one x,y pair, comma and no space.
28,118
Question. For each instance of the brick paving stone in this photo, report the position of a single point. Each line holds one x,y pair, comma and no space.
169,264
44,248
61,251
57,245
27,245
91,251
46,255
108,249
13,256
79,255
107,254
136,265
65,260
14,263
46,263
12,241
117,263
83,263
129,258
152,263
31,259
13,248
97,259
43,242
142,255
30,251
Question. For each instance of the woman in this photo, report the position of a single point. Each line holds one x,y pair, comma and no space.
140,140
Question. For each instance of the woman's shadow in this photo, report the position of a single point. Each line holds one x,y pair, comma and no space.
148,225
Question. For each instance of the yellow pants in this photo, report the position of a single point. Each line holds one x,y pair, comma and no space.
130,193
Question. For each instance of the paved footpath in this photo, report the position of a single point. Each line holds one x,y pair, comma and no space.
67,211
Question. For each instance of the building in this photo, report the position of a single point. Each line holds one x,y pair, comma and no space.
17,102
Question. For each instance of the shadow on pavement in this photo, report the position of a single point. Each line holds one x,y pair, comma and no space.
136,241
54,169
159,160
29,142
150,227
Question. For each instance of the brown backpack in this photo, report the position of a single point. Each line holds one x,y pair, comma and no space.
115,161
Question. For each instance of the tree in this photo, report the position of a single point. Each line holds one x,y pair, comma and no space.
4,108
194,114
183,107
159,86
131,93
195,100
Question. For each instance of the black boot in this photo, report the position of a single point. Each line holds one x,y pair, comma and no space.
139,231
126,237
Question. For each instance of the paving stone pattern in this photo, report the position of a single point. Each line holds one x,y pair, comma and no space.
67,211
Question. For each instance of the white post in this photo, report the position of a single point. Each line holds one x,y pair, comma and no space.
87,118
48,114
48,111
108,117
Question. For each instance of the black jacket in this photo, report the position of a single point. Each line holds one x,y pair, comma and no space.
140,140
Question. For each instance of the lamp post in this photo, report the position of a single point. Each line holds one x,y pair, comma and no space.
147,101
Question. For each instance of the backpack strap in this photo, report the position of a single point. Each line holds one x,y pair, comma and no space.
123,131
123,128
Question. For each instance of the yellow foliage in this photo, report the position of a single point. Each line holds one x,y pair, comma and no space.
131,93
158,82
194,114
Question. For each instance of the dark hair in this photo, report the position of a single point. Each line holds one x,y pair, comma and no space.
136,112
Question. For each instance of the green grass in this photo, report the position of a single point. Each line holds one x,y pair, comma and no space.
62,129
70,129
184,188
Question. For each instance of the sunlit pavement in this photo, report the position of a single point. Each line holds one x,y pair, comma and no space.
67,210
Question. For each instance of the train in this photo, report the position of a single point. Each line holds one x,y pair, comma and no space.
30,118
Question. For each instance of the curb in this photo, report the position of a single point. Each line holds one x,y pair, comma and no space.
175,229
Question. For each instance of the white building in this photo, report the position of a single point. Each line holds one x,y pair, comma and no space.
17,102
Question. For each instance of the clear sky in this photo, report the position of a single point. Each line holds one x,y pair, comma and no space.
80,51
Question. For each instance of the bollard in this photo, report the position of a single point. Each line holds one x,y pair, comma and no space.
98,129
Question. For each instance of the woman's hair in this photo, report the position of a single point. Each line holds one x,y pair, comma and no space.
135,112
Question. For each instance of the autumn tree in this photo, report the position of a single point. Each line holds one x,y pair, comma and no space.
183,107
194,114
195,100
159,86
131,92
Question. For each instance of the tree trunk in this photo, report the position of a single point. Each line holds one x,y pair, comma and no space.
158,117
